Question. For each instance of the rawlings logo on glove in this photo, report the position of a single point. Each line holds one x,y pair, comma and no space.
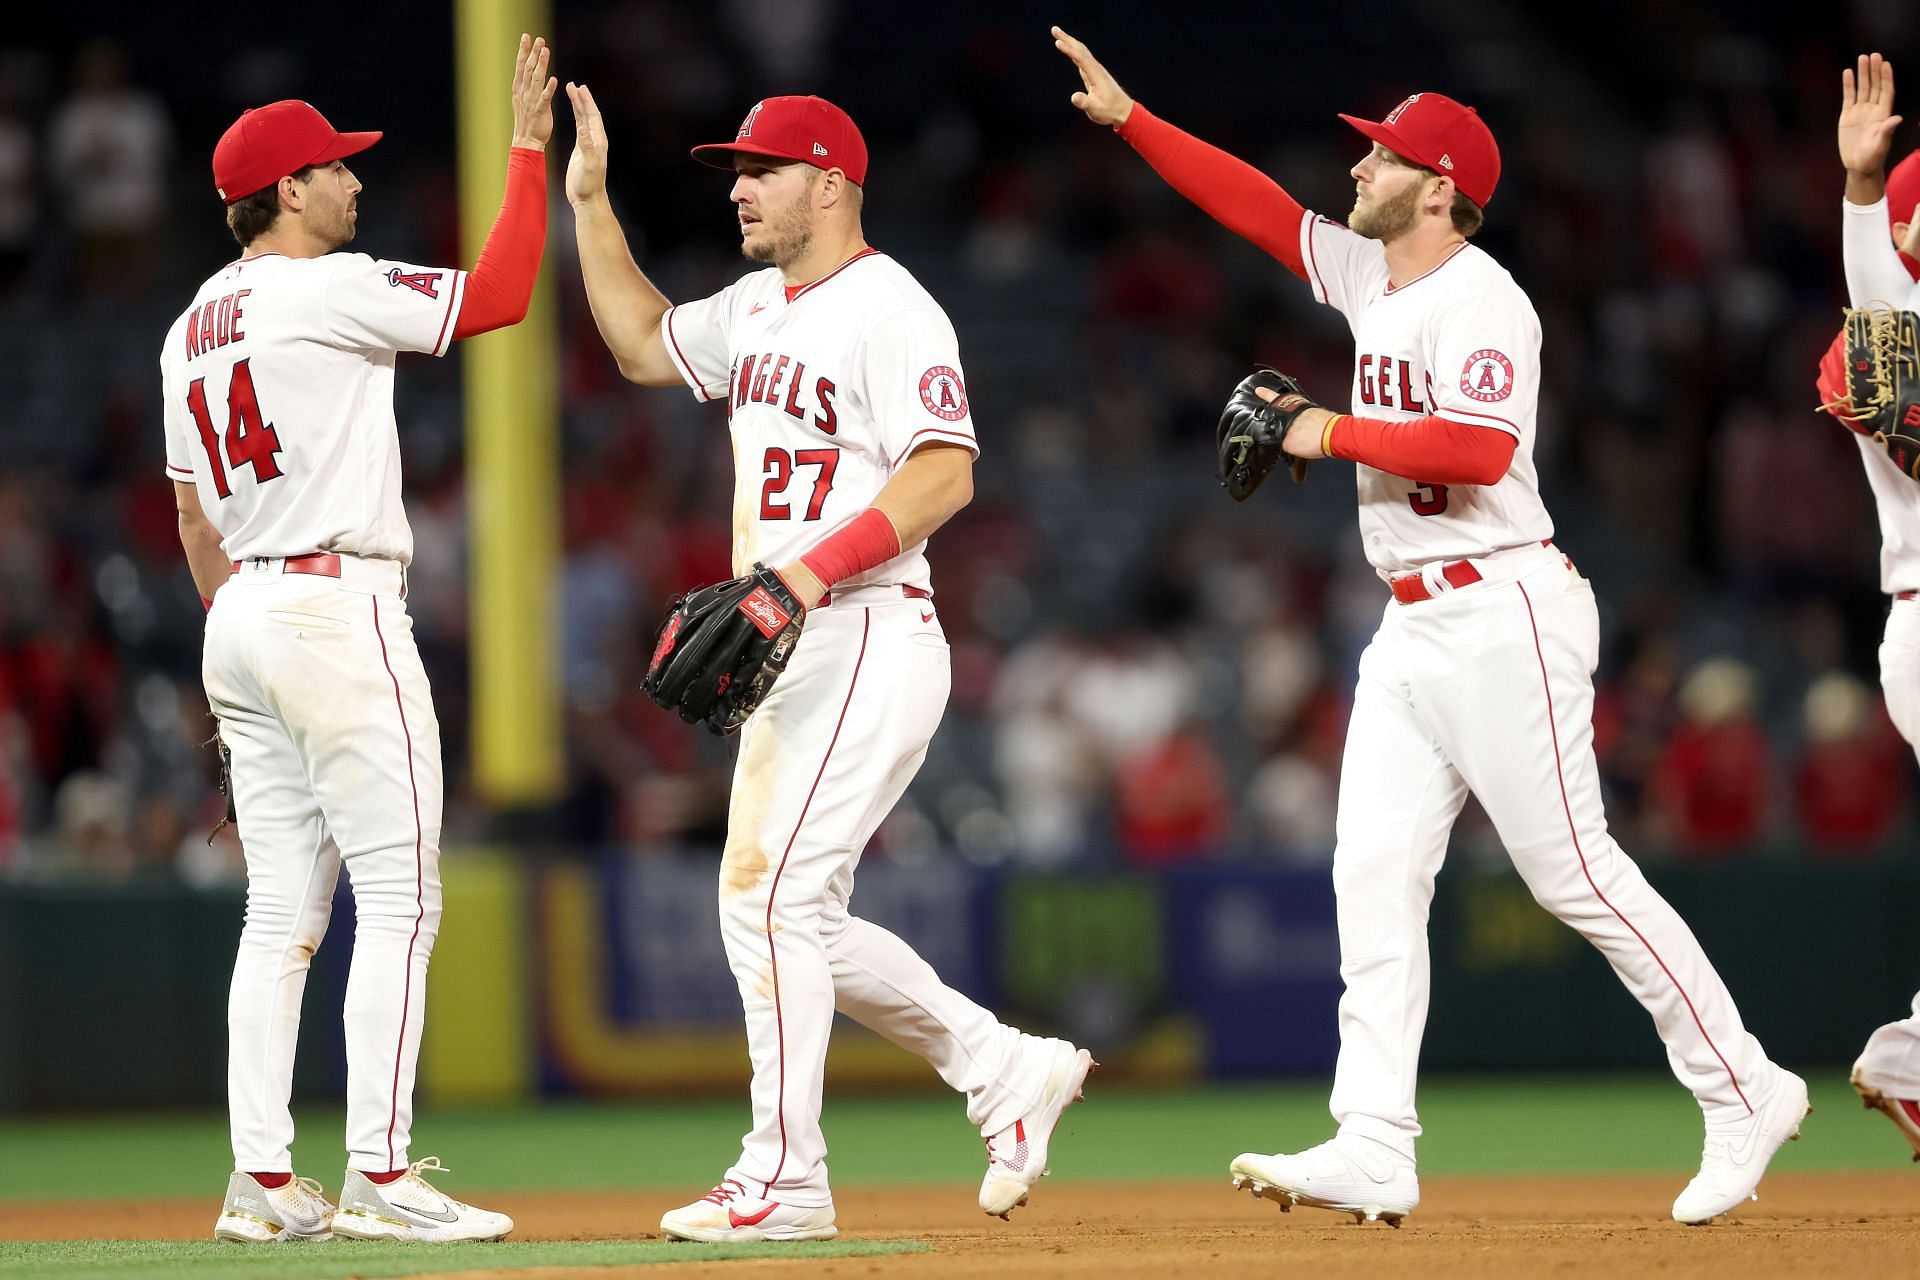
721,648
1879,375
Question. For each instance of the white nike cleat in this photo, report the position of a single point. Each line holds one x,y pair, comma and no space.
408,1208
254,1214
1736,1155
1355,1175
1017,1154
727,1215
1904,1112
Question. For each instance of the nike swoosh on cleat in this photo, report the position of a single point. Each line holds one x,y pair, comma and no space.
447,1215
735,1219
1018,1163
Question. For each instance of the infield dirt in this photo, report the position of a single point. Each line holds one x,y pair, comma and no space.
1858,1225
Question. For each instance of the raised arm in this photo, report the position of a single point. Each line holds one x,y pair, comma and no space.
500,286
1231,191
1867,123
626,306
1875,273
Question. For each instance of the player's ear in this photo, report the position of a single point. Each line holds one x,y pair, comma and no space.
292,198
1440,199
833,188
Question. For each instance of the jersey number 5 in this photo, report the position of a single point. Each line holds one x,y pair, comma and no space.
1428,500
779,467
250,437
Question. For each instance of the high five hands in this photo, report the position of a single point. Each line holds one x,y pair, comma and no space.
587,166
532,94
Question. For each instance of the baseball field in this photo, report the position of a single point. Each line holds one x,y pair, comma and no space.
1521,1176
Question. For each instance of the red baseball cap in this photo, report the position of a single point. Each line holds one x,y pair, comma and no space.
1903,193
810,130
1433,130
267,143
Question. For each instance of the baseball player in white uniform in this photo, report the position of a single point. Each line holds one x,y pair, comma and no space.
1882,270
1480,677
281,442
853,442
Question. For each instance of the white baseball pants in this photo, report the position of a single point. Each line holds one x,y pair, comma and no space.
336,757
1488,688
1891,1060
821,763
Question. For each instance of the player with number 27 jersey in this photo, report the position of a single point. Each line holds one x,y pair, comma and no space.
828,387
269,335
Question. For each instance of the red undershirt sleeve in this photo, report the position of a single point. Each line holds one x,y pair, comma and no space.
1230,191
501,283
1431,450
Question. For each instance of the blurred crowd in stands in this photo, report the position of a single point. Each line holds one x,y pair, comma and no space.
1144,673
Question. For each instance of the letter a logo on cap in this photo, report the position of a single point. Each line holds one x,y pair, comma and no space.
746,126
1393,116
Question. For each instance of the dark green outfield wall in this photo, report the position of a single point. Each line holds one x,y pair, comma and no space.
115,997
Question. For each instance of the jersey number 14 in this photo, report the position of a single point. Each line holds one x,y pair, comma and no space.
249,437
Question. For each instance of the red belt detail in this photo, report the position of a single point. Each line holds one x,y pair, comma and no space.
911,593
1907,595
1412,589
321,564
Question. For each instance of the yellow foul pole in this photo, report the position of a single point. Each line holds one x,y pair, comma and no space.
513,444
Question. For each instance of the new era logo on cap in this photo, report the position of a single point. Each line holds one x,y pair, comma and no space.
819,150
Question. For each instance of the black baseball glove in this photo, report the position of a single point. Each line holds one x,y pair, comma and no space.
219,744
1881,397
1251,431
721,648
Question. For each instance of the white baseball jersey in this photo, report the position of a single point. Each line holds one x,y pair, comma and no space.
278,385
1876,277
1897,501
1461,341
829,387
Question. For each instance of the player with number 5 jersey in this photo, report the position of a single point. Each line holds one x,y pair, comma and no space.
1479,679
285,458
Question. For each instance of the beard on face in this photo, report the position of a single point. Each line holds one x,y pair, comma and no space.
1385,219
329,223
785,236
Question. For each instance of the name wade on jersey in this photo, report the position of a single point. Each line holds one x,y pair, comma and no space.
780,381
215,324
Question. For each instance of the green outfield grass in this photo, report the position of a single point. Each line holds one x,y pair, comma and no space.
1492,1125
155,1260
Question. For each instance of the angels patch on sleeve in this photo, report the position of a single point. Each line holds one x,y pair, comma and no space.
943,394
426,283
1488,376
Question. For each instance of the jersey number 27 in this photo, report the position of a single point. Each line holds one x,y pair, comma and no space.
778,469
250,438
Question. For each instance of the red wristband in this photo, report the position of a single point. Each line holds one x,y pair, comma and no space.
864,542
